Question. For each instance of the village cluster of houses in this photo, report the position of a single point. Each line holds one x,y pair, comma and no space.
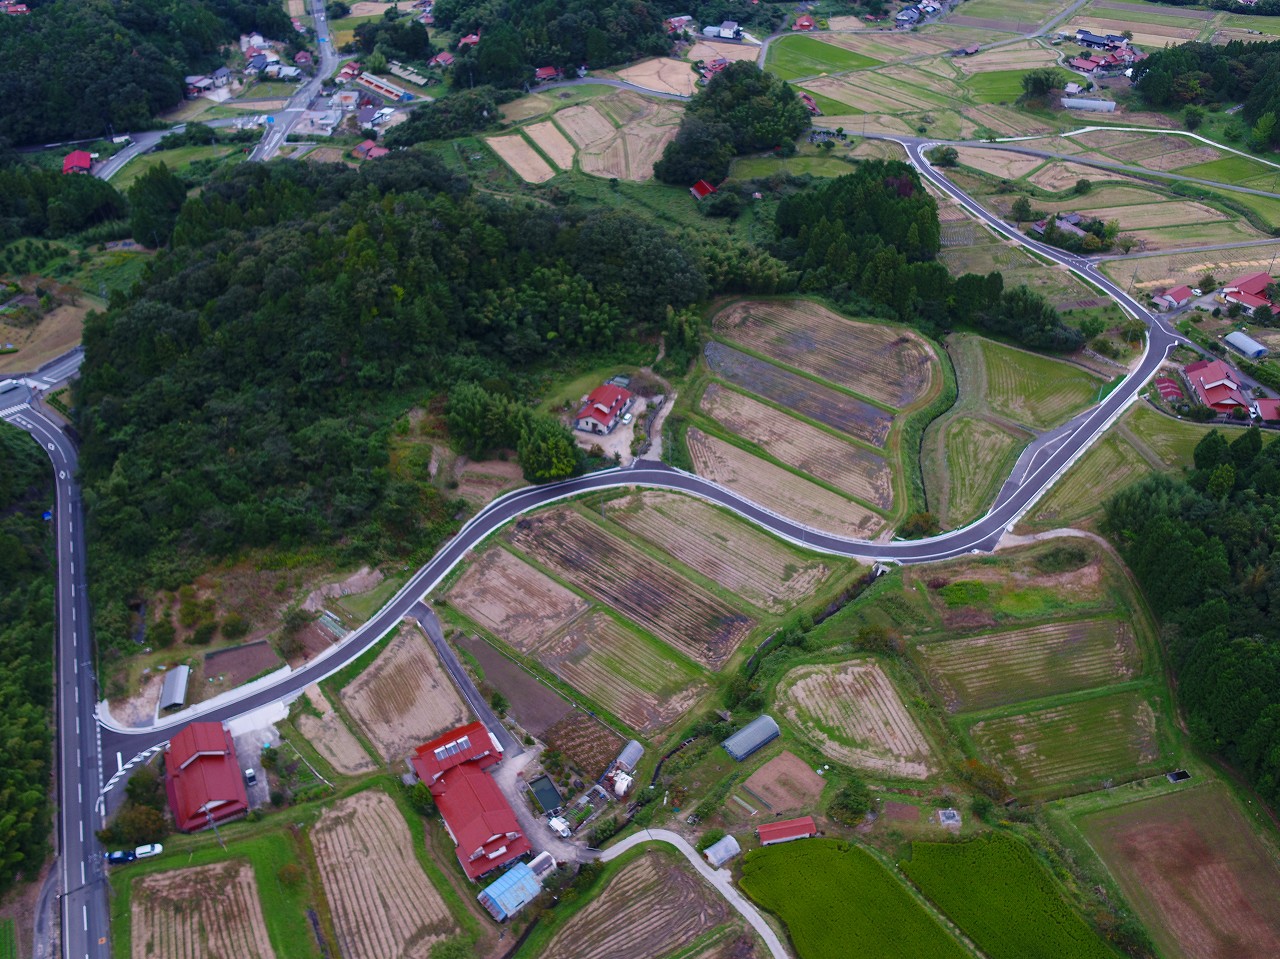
260,59
1115,54
908,17
1249,292
1068,223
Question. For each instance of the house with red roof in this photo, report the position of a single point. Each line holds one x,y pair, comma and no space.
15,9
441,59
477,816
369,150
701,190
470,40
810,104
77,161
545,74
202,777
1249,291
1216,385
603,408
1172,299
805,22
786,830
1168,388
1267,410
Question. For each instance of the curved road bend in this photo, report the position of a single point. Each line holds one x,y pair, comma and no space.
722,879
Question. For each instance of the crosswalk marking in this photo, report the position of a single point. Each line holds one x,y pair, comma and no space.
5,414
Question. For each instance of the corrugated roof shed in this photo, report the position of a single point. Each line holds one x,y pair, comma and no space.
786,830
174,693
630,755
721,852
1246,344
751,737
510,892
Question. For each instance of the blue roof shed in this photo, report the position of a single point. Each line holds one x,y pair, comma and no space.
751,737
1243,343
510,892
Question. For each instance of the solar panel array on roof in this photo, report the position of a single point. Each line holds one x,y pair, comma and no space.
452,749
751,737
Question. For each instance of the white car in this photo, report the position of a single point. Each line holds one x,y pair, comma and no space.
149,850
1195,292
627,417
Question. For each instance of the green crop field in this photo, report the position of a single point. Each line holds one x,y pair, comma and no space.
176,160
1229,169
1265,207
8,940
1033,389
1003,899
796,56
1108,467
749,168
837,900
1076,744
997,86
1023,11
980,455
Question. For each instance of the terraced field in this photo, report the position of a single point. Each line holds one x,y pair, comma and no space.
1008,667
852,713
1083,743
890,365
1035,390
702,626
762,570
806,448
799,394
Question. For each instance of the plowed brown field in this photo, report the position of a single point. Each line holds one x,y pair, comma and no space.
512,600
207,912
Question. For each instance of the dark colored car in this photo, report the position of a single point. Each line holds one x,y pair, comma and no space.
120,857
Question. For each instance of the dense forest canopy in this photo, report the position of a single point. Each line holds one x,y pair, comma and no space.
1207,552
1236,72
79,68
44,203
26,649
242,398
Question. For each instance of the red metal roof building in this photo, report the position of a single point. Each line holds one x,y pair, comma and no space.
605,405
203,778
805,22
1215,385
1169,389
77,161
476,814
702,189
1249,291
1267,410
787,830
442,59
470,40
543,74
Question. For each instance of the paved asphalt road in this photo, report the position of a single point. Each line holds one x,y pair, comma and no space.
284,121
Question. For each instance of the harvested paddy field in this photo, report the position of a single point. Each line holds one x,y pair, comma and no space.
640,681
206,911
1001,668
586,742
702,626
651,907
733,52
331,737
514,601
853,714
761,569
1160,272
891,365
1110,465
404,698
978,453
780,490
786,783
799,394
662,75
1080,744
1152,35
382,902
1035,390
1001,163
621,134
516,152
853,469
1203,883
553,143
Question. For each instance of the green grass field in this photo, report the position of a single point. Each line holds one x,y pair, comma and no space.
795,56
1023,11
1035,390
8,940
750,168
979,456
1229,169
1074,745
1003,899
837,900
997,86
176,160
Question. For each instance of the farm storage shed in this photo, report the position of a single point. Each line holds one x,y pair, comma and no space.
1084,103
510,892
630,755
787,830
174,692
1247,345
203,778
721,852
759,732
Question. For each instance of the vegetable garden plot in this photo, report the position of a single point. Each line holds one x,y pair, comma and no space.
202,911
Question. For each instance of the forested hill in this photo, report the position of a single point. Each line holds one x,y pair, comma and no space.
244,396
26,649
73,67
1207,552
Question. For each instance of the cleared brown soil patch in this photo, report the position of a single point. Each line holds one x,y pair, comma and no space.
786,783
208,912
651,907
482,482
700,625
743,560
900,812
553,143
663,75
521,157
1196,873
236,666
513,600
852,713
536,706
733,52
331,737
853,469
589,745
328,155
404,698
383,904
58,331
779,490
999,162
889,364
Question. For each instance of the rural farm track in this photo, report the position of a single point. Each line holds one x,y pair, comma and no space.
81,795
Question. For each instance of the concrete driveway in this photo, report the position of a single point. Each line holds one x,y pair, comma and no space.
506,774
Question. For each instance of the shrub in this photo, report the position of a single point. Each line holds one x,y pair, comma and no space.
851,804
709,839
965,593
290,875
204,633
235,626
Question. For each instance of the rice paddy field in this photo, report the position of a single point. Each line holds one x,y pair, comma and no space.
1035,390
791,57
